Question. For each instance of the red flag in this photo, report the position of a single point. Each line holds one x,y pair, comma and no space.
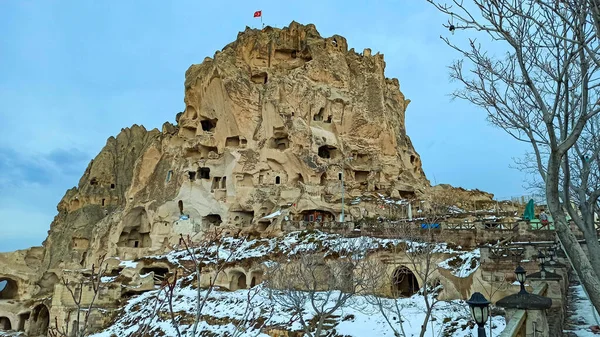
257,14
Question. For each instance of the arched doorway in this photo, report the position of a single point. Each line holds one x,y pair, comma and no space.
5,324
238,281
404,282
8,289
40,319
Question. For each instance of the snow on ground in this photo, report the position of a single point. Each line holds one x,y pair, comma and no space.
462,265
294,243
582,313
225,309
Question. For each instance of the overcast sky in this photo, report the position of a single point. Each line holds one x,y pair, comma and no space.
73,73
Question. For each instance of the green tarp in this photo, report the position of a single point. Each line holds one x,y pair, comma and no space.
529,213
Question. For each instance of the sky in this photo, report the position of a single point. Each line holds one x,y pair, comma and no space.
73,73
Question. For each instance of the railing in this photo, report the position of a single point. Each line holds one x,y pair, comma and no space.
501,226
516,324
460,226
506,253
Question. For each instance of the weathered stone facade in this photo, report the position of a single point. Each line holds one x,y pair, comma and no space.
280,127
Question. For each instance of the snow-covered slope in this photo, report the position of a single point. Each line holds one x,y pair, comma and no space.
225,310
228,311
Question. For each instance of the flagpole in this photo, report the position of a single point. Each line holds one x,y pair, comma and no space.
261,22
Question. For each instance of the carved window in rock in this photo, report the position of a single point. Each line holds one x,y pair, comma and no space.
204,173
192,175
232,141
361,176
8,289
5,324
212,220
277,180
327,152
318,117
94,181
209,125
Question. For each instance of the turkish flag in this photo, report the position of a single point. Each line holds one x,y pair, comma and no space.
257,14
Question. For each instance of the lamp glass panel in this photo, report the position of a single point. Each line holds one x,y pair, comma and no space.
478,314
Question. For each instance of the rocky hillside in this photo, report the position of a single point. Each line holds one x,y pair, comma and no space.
282,124
271,121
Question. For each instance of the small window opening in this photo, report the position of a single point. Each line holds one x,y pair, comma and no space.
169,174
319,116
328,119
340,176
112,186
232,141
260,78
224,183
94,182
412,159
212,219
136,244
103,201
192,175
361,176
180,204
216,183
277,180
204,173
334,42
327,152
293,54
208,125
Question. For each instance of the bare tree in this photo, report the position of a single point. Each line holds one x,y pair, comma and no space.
312,285
544,90
257,314
213,253
420,245
210,255
92,280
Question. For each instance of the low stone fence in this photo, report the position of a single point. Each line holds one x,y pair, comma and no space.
459,233
522,321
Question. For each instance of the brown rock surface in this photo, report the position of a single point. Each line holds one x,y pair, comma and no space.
268,123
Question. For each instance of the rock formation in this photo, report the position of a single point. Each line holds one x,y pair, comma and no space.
281,123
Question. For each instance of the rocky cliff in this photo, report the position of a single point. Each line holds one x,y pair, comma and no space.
280,123
274,120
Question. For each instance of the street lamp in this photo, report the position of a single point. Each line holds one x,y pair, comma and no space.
551,253
480,311
541,258
520,272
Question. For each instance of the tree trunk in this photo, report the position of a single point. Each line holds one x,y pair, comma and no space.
574,252
595,5
425,321
593,247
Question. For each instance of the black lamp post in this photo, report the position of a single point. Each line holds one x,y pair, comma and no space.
541,258
480,311
552,253
520,272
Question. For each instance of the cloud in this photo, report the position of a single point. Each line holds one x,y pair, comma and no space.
21,169
31,184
